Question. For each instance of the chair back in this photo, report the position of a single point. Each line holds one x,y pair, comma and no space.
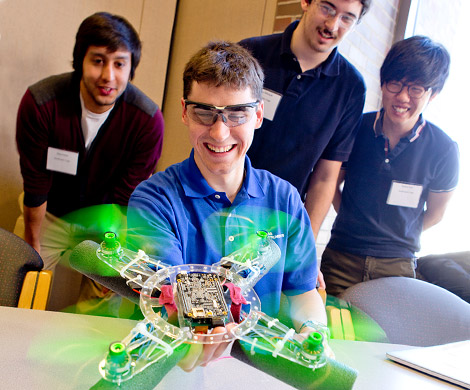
17,257
450,271
411,311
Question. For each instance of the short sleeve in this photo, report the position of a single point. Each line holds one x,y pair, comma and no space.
446,171
151,228
301,269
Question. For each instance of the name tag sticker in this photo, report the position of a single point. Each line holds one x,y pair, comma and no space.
404,194
63,161
271,101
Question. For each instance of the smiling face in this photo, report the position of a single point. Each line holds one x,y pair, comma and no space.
104,78
401,110
322,33
219,150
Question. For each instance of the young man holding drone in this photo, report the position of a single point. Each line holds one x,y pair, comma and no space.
209,205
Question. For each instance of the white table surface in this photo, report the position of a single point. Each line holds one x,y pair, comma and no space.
51,350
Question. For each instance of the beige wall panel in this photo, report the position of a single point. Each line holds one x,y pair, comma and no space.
155,32
37,38
269,17
197,22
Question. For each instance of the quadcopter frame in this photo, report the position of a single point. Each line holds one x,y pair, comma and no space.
196,289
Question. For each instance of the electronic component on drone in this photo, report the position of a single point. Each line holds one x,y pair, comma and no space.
111,246
118,362
201,298
312,347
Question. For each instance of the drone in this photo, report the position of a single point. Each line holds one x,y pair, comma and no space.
182,304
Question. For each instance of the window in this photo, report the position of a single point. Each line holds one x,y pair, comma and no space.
445,22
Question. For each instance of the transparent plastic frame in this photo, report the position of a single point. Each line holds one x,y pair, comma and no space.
154,338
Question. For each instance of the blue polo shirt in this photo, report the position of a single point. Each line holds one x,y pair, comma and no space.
368,223
177,217
317,116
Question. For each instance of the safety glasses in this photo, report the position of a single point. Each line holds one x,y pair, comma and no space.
232,116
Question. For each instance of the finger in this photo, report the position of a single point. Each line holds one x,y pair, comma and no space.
214,351
223,345
189,361
209,349
321,280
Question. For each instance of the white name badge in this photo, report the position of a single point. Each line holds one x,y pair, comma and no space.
63,161
271,101
404,194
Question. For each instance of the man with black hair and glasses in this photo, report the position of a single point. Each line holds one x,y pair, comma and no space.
313,101
400,176
213,203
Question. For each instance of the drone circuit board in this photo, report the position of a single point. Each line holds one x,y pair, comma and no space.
201,299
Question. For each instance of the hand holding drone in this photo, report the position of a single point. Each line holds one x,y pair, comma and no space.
183,304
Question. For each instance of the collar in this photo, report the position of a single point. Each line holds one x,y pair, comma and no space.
413,136
195,186
329,67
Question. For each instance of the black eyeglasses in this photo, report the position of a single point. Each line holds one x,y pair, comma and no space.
232,116
415,91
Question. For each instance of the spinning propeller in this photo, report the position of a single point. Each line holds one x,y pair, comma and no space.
182,303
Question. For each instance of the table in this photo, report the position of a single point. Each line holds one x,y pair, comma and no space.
52,350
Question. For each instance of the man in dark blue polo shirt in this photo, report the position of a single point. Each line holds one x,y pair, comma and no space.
313,101
400,175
